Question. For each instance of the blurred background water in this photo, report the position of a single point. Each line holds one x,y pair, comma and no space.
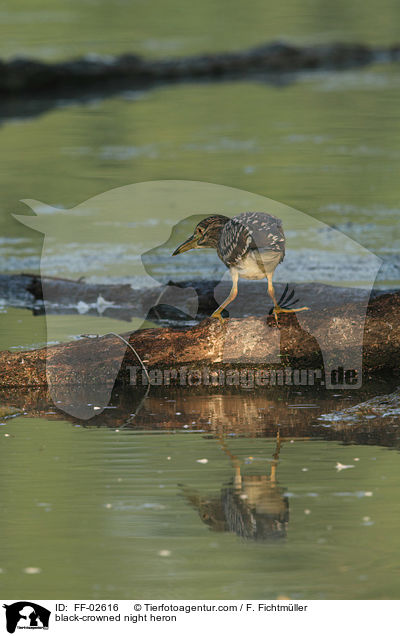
59,30
98,513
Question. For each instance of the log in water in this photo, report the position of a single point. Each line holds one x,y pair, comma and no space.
308,341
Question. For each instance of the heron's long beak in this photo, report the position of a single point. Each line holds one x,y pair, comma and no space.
190,243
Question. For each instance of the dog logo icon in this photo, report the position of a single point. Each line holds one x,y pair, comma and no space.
26,615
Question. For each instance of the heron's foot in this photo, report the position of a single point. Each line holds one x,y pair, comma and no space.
286,303
217,314
280,310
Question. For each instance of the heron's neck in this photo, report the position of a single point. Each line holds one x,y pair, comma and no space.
215,229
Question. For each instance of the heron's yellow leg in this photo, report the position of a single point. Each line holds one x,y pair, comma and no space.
235,462
237,481
232,296
277,309
275,458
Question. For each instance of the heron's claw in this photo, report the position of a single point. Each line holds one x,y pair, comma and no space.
217,314
280,310
286,304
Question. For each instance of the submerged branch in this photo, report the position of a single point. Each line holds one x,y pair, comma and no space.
25,76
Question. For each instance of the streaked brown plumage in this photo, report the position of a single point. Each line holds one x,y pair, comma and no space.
251,245
253,506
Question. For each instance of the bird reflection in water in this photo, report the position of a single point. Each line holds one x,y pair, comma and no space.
252,506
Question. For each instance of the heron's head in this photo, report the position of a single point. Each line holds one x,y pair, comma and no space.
206,234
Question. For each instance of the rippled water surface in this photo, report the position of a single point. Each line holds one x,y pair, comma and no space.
179,495
198,498
334,156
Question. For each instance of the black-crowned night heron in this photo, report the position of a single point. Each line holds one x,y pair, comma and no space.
250,244
253,506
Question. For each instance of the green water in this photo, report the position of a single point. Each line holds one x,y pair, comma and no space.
335,156
55,30
95,511
103,514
